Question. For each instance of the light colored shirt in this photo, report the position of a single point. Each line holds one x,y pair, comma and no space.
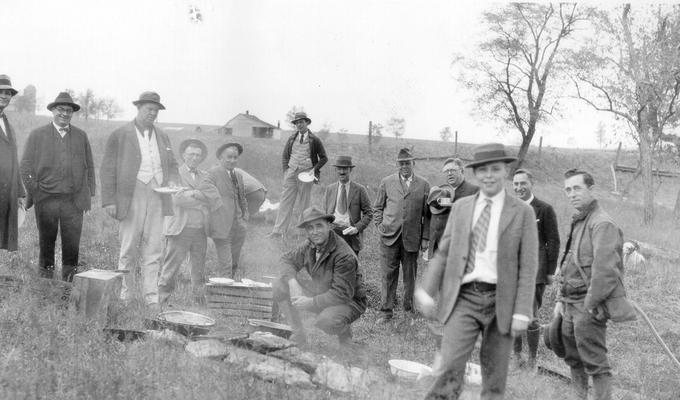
300,154
150,166
342,219
530,199
63,130
486,261
3,127
406,181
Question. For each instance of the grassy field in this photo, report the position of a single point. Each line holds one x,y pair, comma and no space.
48,352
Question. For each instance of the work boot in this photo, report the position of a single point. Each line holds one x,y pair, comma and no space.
533,336
46,272
299,336
579,379
602,386
67,272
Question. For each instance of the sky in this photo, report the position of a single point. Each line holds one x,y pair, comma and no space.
345,62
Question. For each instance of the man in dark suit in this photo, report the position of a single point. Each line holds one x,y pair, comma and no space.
400,214
442,197
12,195
484,273
186,230
223,187
548,251
138,160
58,172
348,202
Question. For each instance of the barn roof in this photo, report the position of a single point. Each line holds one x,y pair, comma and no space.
252,118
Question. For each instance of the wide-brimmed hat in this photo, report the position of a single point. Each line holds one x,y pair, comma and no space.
488,153
6,83
194,142
344,162
300,115
149,97
312,214
436,193
405,155
63,99
552,337
220,149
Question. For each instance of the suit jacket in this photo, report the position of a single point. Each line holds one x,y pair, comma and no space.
182,201
120,165
399,210
11,189
359,208
223,200
517,260
317,153
438,221
548,239
39,160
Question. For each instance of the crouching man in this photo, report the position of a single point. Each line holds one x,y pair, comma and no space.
321,276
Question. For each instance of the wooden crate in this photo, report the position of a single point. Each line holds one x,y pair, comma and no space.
240,300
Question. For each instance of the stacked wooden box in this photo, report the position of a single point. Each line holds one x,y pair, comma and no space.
240,300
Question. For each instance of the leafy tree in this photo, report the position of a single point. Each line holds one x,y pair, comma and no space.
88,104
26,101
510,77
396,126
376,132
446,134
290,115
108,107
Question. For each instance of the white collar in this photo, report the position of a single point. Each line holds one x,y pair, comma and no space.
57,127
498,197
530,199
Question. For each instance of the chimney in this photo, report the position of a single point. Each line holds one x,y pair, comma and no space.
278,124
247,112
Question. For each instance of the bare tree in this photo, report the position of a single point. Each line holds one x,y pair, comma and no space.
510,78
446,134
396,126
601,135
377,132
109,108
88,104
632,71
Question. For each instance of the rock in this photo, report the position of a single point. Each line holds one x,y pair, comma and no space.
263,342
211,348
268,368
343,379
303,359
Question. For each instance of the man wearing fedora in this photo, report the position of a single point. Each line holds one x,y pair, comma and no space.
442,197
321,276
58,172
484,273
548,251
403,222
186,230
12,195
348,201
591,272
303,152
223,187
138,158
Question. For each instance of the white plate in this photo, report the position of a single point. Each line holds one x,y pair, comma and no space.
408,369
21,216
221,281
168,190
307,176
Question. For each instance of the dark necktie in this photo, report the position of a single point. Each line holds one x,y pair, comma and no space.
342,203
64,131
479,236
302,136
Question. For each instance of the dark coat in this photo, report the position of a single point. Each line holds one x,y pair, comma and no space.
11,189
120,165
40,160
316,152
399,210
335,274
359,206
438,221
517,260
548,239
222,199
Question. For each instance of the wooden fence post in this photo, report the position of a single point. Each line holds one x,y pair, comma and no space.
540,147
370,136
455,144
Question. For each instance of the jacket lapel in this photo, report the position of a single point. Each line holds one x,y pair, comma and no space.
6,136
507,214
352,193
333,196
132,138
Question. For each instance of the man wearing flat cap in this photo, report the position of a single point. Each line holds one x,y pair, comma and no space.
186,230
403,222
58,172
12,195
223,187
484,273
348,201
303,152
442,197
321,276
138,158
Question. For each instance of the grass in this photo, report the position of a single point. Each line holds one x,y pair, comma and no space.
49,352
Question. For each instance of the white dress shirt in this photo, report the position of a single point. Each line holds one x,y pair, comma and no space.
61,133
529,200
486,261
3,127
150,165
342,219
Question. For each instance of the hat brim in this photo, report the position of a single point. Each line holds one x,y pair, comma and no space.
186,143
11,89
506,160
343,166
138,103
75,106
309,121
406,159
327,217
553,338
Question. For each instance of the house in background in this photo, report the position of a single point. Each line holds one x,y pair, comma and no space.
248,125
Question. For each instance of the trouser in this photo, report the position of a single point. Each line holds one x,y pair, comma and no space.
58,213
192,241
393,256
141,234
585,340
292,187
229,249
474,313
334,320
532,334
